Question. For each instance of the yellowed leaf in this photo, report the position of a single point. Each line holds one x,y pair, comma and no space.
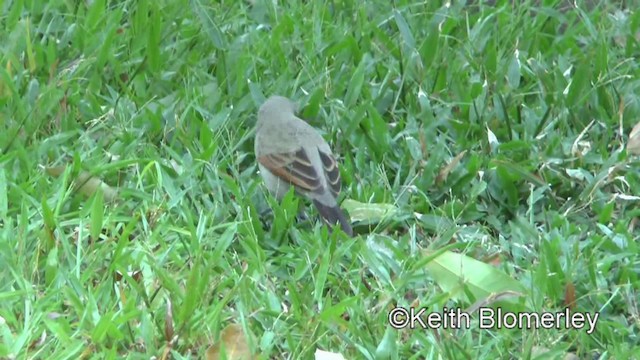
444,172
87,184
233,344
55,171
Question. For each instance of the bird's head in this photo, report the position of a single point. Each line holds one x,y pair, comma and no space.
277,106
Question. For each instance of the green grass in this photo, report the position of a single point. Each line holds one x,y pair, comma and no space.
158,99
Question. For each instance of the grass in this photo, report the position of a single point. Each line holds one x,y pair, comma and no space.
158,100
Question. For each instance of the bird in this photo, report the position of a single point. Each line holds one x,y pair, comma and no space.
290,152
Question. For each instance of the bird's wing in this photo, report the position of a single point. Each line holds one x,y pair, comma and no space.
295,168
331,172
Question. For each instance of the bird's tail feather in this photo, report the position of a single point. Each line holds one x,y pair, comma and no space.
333,215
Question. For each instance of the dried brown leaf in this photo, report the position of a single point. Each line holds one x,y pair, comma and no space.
444,172
168,322
570,295
234,343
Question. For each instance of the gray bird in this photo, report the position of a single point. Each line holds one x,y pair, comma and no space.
291,152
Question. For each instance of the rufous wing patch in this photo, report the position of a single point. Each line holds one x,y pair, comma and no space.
294,168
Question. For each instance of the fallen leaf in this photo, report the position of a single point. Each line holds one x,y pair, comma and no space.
461,276
570,295
168,322
492,139
87,184
368,213
444,172
633,145
233,344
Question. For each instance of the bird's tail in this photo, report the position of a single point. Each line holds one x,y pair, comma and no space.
333,215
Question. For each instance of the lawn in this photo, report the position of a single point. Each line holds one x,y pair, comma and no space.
486,151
